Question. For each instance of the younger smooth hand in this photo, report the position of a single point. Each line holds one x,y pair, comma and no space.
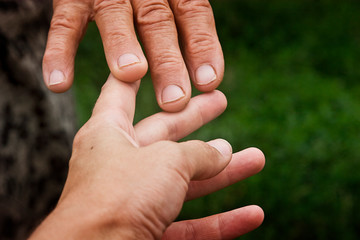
131,183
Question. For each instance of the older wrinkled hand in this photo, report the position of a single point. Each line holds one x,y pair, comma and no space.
160,24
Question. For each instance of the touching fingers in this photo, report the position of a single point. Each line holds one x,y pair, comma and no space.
174,126
116,99
243,165
200,160
228,225
200,43
66,30
122,49
157,30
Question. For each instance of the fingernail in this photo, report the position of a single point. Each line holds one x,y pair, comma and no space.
127,59
56,77
205,75
172,93
222,146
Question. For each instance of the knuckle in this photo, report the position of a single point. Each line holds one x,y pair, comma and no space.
118,37
49,55
70,16
111,7
176,159
80,145
114,18
198,144
193,149
154,13
191,8
63,21
79,138
104,88
54,50
190,231
168,61
199,114
200,43
86,132
202,147
67,26
221,225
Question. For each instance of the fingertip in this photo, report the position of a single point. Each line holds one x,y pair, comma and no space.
223,147
58,81
58,69
177,106
205,75
243,220
256,215
61,88
247,219
207,78
129,67
258,158
173,98
221,99
209,105
208,88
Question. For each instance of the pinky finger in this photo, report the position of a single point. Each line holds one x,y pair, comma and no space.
228,225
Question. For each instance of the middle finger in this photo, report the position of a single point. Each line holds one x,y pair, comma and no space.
174,126
243,164
157,30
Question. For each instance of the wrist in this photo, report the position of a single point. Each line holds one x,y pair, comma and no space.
71,221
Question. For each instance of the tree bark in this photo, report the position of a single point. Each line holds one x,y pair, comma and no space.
36,126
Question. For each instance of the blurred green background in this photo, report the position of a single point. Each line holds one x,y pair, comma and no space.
292,71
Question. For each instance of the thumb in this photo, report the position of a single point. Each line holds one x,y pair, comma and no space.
206,160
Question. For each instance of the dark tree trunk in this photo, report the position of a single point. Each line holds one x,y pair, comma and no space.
36,126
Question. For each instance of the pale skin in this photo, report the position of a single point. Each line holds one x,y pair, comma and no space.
161,25
128,182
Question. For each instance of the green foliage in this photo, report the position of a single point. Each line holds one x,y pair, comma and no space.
291,82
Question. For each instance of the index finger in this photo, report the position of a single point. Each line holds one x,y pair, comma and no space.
174,126
243,165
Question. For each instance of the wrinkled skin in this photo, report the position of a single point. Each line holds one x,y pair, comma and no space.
161,26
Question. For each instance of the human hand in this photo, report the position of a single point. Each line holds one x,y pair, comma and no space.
130,183
158,23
